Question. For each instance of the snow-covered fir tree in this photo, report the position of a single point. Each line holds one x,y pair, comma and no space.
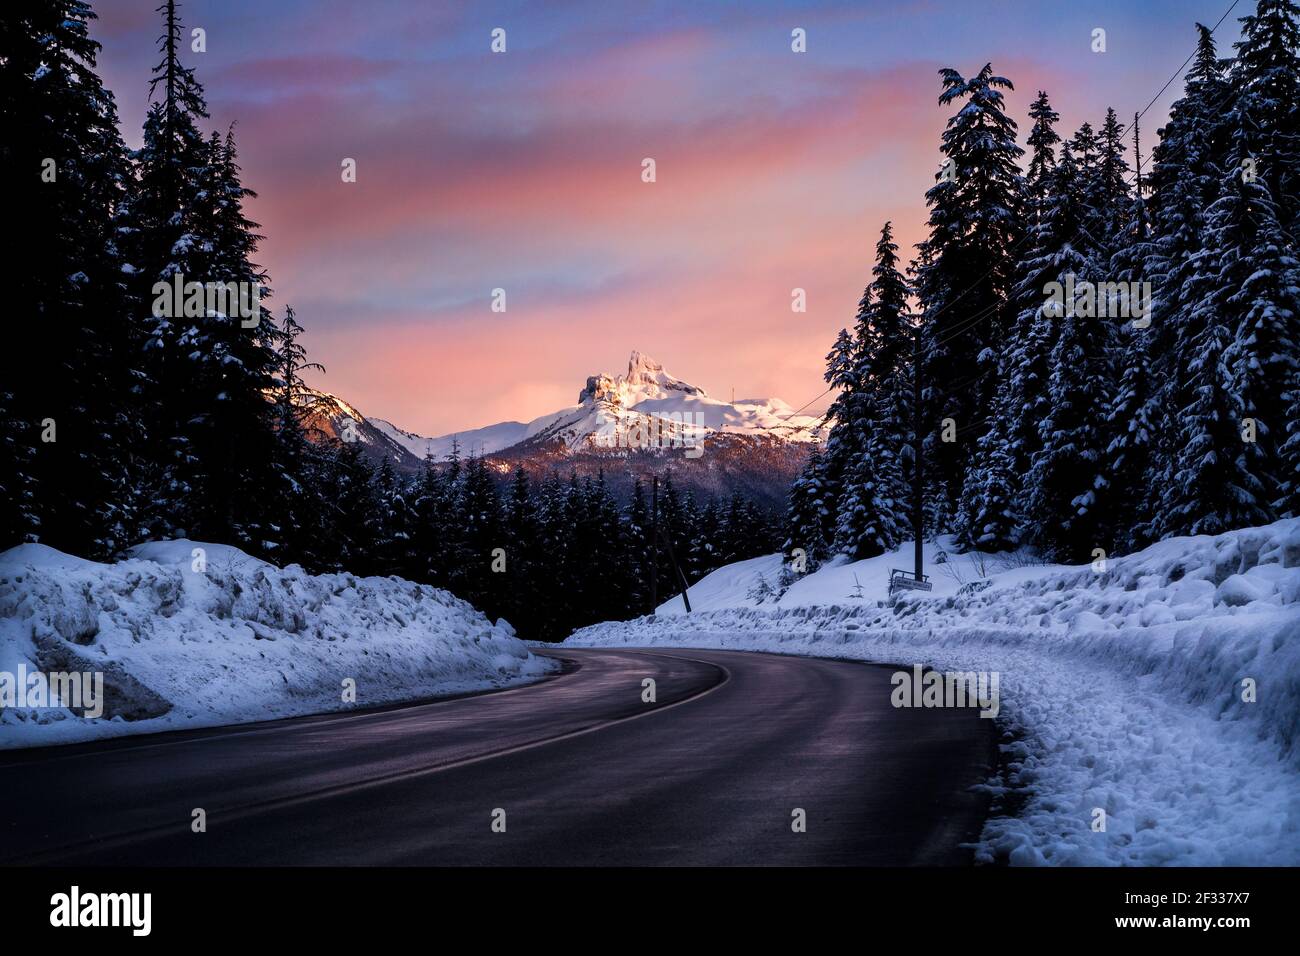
1185,178
1067,481
68,365
810,510
873,410
1111,215
1130,430
295,514
170,235
990,515
965,268
1241,344
1266,78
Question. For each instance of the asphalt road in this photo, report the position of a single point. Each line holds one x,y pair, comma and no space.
585,772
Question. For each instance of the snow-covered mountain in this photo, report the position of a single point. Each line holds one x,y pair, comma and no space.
645,409
331,417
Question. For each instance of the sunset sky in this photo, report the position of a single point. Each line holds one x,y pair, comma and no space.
523,171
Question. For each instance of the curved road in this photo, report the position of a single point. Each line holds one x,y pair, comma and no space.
585,771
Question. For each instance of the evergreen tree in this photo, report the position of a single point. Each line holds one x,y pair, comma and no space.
640,550
871,510
1131,431
1241,342
845,443
672,527
348,490
211,429
1131,436
293,502
1288,505
990,516
1088,185
964,272
807,514
67,370
1187,171
1067,480
715,538
1212,489
609,565
483,533
1115,199
1042,142
390,543
1130,428
242,360
1266,76
523,584
426,511
550,615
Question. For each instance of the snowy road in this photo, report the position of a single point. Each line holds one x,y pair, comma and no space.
584,770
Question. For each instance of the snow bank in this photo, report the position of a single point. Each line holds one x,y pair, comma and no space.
841,581
188,635
1122,686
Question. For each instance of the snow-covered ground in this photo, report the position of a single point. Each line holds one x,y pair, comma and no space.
191,638
1124,685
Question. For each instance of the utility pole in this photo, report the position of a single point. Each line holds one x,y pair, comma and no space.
1137,153
654,562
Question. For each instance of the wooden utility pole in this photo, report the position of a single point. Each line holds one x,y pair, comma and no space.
654,558
1137,153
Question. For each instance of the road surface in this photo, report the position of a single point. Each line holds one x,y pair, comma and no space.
584,770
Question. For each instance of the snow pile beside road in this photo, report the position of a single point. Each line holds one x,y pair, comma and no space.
838,581
1122,688
190,635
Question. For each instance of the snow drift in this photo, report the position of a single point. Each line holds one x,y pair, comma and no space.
1125,687
190,635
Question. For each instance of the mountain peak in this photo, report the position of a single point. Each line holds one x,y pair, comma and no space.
645,379
646,400
639,365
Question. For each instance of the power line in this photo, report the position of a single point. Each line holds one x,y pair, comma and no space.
805,405
975,318
1091,213
1124,129
1179,71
